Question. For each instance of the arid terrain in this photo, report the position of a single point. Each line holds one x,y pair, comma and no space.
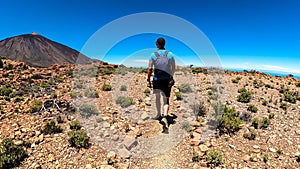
222,119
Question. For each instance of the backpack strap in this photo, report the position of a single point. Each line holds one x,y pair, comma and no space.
166,53
156,54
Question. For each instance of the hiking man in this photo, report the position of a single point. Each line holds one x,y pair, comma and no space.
164,68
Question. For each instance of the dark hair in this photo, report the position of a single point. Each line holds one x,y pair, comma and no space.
161,42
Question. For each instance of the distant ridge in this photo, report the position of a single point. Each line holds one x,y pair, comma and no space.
38,51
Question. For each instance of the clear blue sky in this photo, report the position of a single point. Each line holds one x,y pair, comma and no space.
258,34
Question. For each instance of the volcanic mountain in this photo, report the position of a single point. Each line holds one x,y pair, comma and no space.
38,51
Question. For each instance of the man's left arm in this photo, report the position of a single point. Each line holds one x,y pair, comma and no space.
150,65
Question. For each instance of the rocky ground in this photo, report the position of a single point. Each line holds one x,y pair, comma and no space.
127,136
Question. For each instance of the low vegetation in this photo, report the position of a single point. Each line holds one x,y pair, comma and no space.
214,158
245,96
106,87
11,155
186,126
252,108
51,128
199,109
178,95
124,101
251,135
185,88
36,106
78,139
147,92
229,122
123,88
75,125
87,110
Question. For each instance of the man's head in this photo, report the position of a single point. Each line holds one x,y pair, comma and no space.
160,43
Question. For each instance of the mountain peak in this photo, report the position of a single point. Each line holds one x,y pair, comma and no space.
39,51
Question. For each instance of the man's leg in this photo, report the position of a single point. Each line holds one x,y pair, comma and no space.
158,104
166,105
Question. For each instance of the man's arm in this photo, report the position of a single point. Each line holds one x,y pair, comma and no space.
150,65
173,67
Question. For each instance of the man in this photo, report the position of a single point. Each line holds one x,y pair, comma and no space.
164,68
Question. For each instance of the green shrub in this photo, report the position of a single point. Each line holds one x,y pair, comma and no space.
59,79
199,109
124,101
255,123
290,96
53,96
229,121
51,128
74,94
37,76
106,87
147,92
87,110
250,135
266,158
234,81
18,99
78,84
91,93
75,125
178,96
242,90
9,67
185,88
244,96
297,84
214,158
105,70
284,106
265,102
123,88
252,108
11,155
265,122
271,115
196,157
36,106
5,91
45,85
78,139
214,96
186,126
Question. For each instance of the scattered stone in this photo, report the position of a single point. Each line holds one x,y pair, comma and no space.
144,116
129,142
88,166
256,147
106,125
111,155
297,154
194,142
19,142
203,148
272,150
198,130
124,153
231,146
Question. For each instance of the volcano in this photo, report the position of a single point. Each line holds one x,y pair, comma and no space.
39,51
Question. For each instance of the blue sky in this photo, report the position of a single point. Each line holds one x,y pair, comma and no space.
254,34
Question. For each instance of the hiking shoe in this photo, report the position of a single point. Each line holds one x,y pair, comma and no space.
157,118
165,122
